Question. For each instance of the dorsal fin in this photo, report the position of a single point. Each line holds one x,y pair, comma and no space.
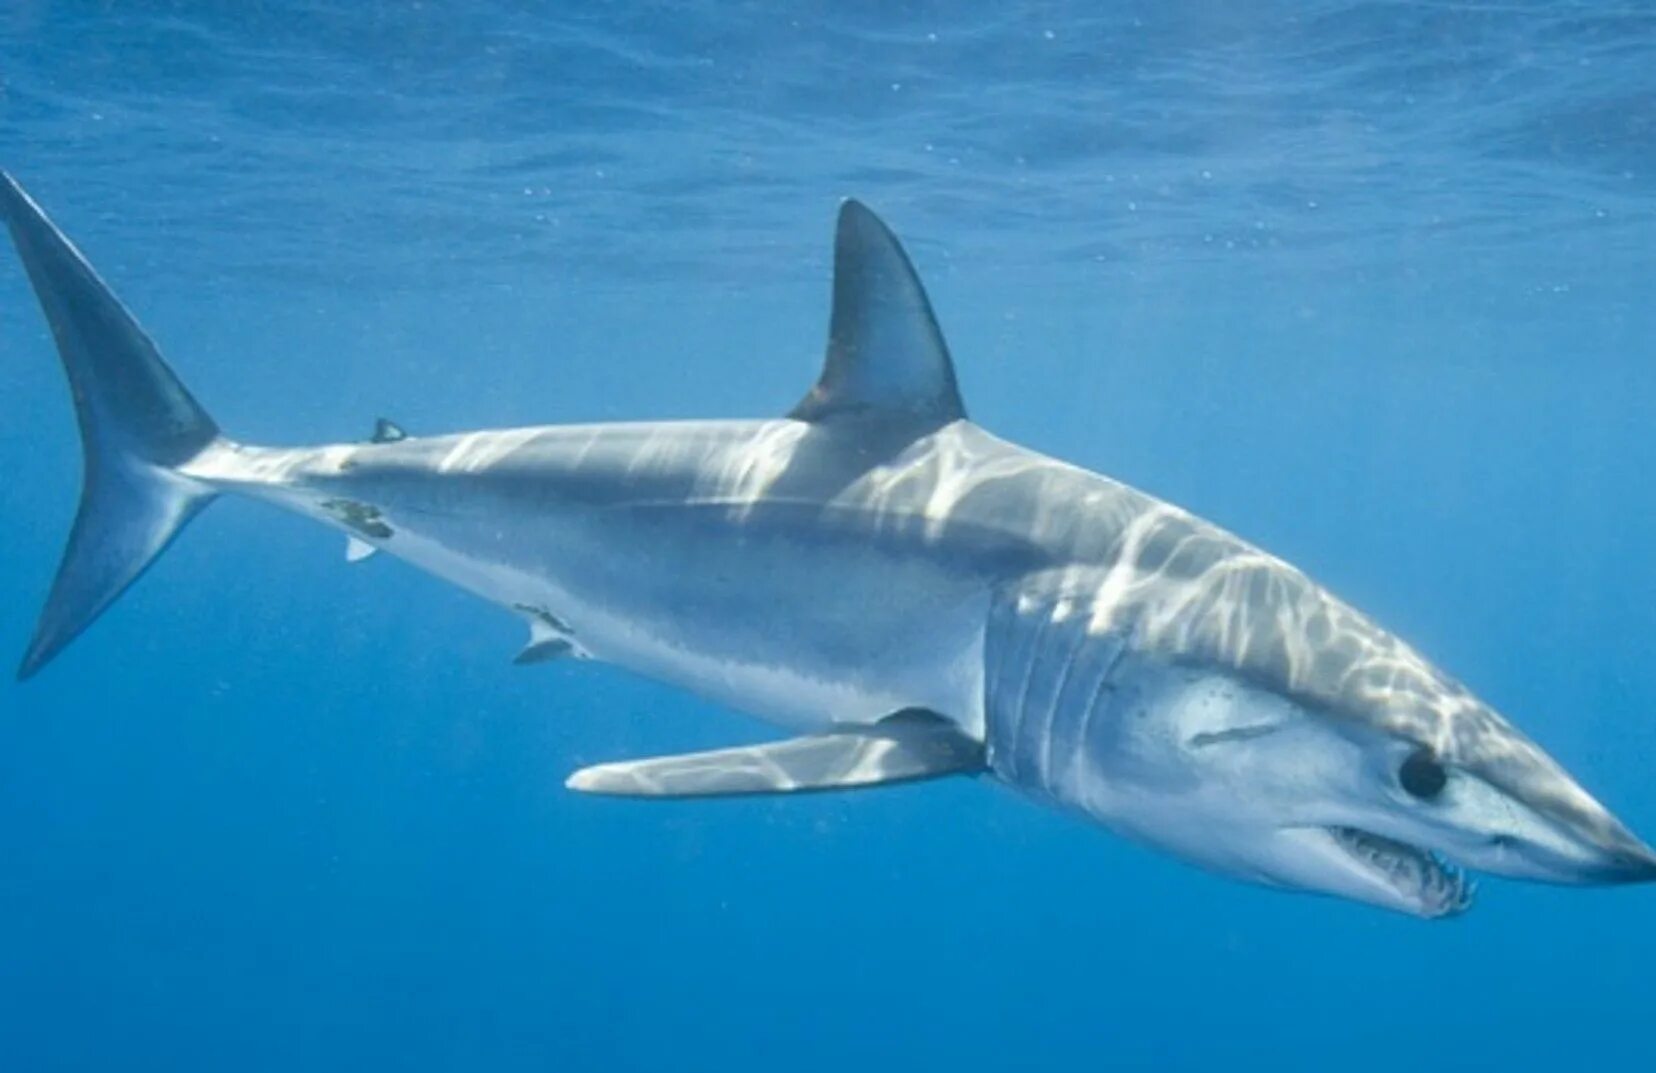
386,431
886,355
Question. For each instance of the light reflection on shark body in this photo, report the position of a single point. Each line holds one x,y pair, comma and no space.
911,595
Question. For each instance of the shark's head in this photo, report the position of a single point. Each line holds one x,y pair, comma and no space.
1388,801
1267,730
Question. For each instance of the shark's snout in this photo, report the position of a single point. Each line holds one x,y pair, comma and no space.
1608,853
1540,824
1632,866
1585,863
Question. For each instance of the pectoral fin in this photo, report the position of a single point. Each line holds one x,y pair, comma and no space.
911,744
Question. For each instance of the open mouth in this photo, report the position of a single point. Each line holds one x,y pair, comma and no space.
1430,885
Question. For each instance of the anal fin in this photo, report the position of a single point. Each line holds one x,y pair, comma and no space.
908,745
357,549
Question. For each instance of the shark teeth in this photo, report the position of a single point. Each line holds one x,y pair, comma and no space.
1436,887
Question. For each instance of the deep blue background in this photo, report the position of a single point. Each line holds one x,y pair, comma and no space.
1368,283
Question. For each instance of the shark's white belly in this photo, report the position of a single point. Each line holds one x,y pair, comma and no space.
842,635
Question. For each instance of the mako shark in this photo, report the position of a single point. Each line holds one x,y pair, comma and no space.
908,595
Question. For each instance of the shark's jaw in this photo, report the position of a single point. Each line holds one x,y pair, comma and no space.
1337,861
1421,881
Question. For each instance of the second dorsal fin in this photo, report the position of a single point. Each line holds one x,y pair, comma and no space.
886,355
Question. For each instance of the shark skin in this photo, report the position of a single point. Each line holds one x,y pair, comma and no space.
910,595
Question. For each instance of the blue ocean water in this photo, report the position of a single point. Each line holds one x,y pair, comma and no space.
1366,282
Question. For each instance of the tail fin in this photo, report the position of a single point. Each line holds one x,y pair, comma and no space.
137,425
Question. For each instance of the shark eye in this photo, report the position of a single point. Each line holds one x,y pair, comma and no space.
1421,774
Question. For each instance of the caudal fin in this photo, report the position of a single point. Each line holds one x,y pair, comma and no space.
138,424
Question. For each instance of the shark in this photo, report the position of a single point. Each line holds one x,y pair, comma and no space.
902,594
